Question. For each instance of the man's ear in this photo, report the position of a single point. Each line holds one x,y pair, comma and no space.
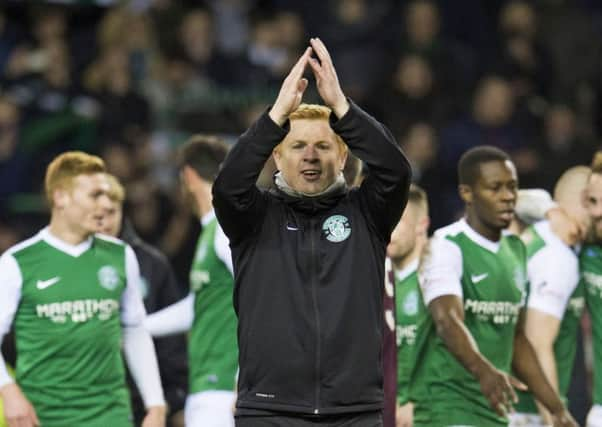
60,197
277,155
422,225
465,192
344,159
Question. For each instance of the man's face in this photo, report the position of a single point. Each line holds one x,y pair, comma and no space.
310,158
493,196
111,223
403,237
85,204
593,204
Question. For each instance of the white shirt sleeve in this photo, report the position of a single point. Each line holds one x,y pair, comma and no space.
138,347
222,248
132,306
553,277
441,270
533,204
11,282
174,319
141,358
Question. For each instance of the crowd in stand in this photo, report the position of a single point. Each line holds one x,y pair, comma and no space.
131,81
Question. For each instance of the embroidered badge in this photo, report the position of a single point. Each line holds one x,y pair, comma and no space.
336,228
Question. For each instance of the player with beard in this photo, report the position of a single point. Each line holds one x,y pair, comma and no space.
590,264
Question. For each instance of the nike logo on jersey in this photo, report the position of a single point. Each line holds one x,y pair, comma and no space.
43,284
476,278
292,228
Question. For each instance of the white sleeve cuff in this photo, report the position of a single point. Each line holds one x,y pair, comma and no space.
141,359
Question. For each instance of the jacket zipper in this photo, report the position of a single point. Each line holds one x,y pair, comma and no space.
314,292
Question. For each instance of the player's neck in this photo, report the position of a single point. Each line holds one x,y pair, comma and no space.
204,206
64,232
402,262
491,233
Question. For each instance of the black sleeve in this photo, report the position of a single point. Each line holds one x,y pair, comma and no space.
384,193
239,205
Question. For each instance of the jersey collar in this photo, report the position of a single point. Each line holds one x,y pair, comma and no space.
208,217
73,250
407,270
480,240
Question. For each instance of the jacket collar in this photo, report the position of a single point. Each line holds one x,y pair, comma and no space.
309,203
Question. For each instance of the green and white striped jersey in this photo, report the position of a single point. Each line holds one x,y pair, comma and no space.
490,278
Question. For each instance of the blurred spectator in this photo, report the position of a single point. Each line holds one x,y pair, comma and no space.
411,96
490,122
231,24
125,115
524,61
13,161
559,146
9,37
420,146
356,32
453,64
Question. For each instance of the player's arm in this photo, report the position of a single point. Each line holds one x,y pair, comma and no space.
551,287
138,346
536,204
440,277
448,315
542,329
526,366
18,411
174,319
533,204
178,317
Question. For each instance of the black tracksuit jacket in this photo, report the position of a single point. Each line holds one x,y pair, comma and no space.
309,296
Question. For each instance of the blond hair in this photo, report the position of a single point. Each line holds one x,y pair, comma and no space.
315,112
116,191
65,167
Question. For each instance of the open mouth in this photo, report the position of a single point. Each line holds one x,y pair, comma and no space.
311,174
507,215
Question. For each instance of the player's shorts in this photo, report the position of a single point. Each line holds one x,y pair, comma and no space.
594,417
210,409
521,419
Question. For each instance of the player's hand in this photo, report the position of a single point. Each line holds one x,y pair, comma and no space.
18,411
291,91
404,415
155,417
498,388
564,419
327,81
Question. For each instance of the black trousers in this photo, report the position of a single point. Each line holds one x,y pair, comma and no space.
365,419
